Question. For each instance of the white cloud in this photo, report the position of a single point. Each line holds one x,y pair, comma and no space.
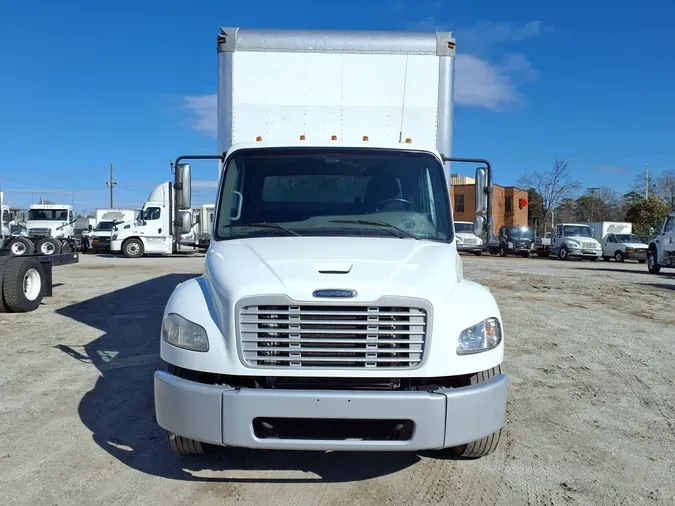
204,109
204,185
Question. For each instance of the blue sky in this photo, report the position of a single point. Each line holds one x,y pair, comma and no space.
86,84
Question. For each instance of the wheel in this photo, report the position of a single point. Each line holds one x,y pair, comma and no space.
593,259
23,285
652,263
606,258
488,444
133,248
618,256
564,254
478,253
526,255
502,251
49,246
21,246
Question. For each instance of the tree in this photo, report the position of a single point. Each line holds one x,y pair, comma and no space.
566,211
639,186
536,213
665,187
646,213
600,204
553,185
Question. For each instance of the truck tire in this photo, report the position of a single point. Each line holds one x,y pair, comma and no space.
488,444
23,285
652,262
179,444
593,259
618,256
20,246
502,251
49,246
564,254
133,248
478,253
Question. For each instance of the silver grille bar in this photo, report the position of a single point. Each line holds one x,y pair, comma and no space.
343,336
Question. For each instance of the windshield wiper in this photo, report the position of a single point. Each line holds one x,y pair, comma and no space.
265,225
380,224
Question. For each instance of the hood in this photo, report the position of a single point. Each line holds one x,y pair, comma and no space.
636,245
52,225
296,266
581,238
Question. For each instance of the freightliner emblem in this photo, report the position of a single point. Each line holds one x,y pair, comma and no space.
334,293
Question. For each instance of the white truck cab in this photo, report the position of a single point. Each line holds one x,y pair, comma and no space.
152,231
466,239
49,231
333,312
575,240
661,252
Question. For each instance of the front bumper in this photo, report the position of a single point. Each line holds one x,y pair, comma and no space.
636,255
470,247
579,252
224,415
115,246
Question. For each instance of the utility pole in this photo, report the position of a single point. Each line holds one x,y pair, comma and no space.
111,184
647,180
592,192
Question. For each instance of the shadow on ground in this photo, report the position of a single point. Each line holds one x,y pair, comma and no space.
119,410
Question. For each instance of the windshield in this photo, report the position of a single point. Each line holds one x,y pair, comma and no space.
105,225
48,214
627,238
464,228
333,192
520,232
577,230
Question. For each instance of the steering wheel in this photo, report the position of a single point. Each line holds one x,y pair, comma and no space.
405,202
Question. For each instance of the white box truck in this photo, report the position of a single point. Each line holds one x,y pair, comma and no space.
333,313
618,241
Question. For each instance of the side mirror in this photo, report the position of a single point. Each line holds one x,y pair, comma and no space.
592,231
481,196
183,186
478,225
90,228
651,230
184,222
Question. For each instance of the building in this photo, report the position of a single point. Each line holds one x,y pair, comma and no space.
507,204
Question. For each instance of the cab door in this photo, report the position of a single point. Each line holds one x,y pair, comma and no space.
609,245
154,230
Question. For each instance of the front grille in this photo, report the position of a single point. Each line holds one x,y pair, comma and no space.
39,232
322,336
470,241
588,245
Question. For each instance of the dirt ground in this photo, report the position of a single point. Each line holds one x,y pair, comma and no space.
590,349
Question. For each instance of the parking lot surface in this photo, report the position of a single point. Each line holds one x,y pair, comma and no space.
590,349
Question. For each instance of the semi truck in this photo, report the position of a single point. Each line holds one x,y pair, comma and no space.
26,279
333,313
618,241
661,251
467,240
49,231
153,231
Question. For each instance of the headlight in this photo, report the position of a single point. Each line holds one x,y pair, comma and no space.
482,337
573,244
183,333
459,240
510,245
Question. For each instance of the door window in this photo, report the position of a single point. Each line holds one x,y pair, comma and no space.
669,224
152,213
612,238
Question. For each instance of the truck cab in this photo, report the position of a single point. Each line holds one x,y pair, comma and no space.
516,240
572,240
661,252
333,312
152,231
50,227
466,238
